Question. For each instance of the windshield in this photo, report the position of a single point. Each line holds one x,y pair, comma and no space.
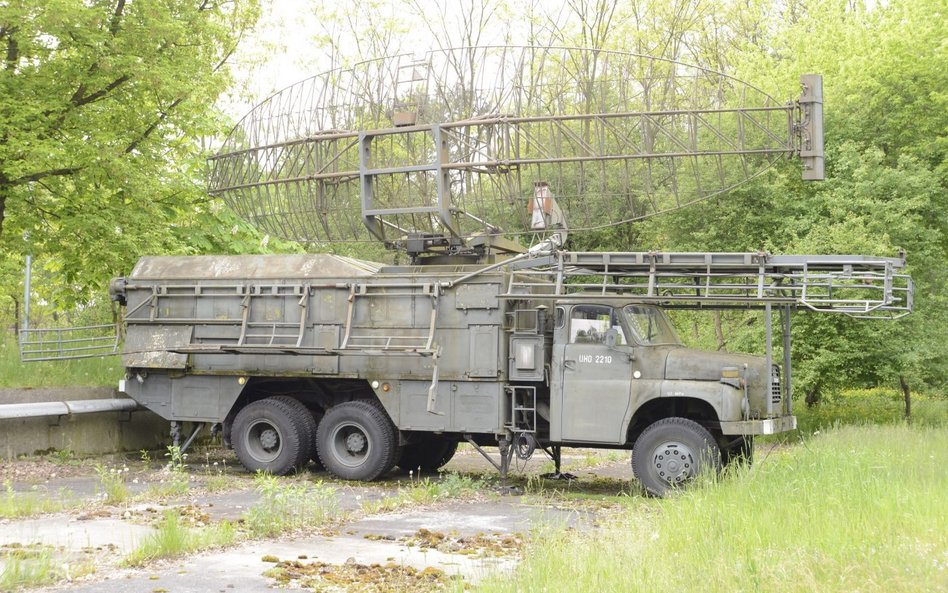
649,325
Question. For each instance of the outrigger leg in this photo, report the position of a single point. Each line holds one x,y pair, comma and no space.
506,455
176,432
555,453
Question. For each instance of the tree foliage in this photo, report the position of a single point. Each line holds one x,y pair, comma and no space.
102,107
886,122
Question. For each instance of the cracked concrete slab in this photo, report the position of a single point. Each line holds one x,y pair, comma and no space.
379,538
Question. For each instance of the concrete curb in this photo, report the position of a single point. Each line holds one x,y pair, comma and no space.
85,434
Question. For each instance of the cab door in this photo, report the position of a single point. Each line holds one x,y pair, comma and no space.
591,391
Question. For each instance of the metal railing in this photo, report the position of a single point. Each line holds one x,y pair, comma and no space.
858,286
68,343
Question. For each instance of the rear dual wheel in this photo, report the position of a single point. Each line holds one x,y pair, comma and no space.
274,435
428,454
356,440
353,440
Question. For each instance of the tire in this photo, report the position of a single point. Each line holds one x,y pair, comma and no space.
268,436
741,450
671,452
357,441
314,455
428,455
307,424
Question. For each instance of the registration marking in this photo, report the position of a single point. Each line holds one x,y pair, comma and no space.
595,359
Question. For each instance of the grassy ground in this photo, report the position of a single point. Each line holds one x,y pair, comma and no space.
91,372
851,509
871,406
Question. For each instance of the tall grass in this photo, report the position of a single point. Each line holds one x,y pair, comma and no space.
875,406
854,509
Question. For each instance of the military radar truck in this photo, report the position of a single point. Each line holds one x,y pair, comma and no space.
363,367
480,165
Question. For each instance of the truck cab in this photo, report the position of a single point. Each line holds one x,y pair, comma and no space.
619,372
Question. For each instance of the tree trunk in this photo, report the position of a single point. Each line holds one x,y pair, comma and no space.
5,189
719,332
813,396
908,397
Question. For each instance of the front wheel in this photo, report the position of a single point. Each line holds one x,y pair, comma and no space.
356,441
671,452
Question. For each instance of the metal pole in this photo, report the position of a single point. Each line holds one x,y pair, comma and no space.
26,293
768,380
788,389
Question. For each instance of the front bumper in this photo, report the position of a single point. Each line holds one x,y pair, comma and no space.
768,426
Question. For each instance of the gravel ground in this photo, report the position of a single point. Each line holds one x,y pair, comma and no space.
382,533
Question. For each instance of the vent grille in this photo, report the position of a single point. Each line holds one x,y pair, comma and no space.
776,394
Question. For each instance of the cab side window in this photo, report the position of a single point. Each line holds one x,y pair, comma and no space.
589,323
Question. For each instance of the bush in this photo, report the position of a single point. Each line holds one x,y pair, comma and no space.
877,405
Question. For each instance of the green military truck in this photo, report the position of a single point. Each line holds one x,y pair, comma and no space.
364,367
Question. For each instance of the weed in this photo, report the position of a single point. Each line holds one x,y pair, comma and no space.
64,456
25,568
172,539
426,490
285,506
24,504
112,483
145,456
217,479
176,458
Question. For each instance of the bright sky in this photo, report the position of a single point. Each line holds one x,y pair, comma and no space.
285,48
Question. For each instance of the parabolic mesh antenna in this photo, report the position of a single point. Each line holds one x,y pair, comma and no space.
458,148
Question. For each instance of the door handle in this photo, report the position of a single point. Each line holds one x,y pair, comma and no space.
569,364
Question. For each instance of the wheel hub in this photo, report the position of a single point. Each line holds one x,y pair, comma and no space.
269,438
355,442
264,441
674,462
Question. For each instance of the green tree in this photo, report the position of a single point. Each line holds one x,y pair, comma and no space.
102,107
886,123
